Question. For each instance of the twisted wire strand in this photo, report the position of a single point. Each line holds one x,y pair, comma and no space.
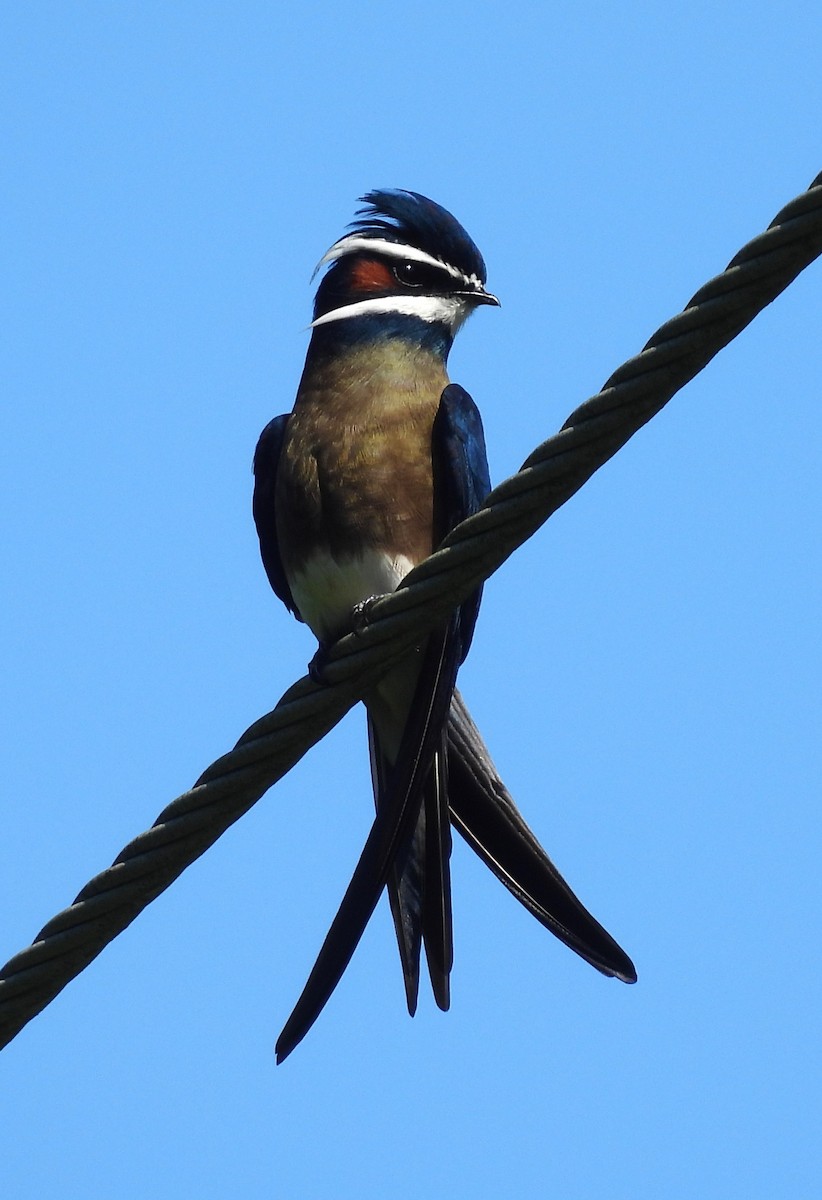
470,554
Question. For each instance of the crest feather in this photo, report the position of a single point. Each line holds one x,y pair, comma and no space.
408,217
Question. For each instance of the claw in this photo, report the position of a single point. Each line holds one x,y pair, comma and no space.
359,614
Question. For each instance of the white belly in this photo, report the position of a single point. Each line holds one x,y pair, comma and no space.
326,591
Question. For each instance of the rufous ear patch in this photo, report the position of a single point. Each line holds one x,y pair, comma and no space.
371,275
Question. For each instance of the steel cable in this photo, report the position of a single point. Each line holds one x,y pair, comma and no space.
473,551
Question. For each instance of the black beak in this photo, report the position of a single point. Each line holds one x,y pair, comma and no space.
480,296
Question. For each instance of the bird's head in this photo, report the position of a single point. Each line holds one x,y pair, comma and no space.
407,267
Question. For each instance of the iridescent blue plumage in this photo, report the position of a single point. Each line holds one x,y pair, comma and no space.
408,217
381,457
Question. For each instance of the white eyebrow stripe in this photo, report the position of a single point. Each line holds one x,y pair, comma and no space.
353,243
451,310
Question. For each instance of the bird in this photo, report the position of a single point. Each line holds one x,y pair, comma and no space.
380,457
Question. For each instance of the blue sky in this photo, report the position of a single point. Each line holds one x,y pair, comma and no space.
646,669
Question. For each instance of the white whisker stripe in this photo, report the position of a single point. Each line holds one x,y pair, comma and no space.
450,310
353,243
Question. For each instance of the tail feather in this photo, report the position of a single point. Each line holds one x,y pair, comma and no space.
419,885
437,929
484,812
405,884
398,814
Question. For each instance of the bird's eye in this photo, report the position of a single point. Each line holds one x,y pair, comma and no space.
410,273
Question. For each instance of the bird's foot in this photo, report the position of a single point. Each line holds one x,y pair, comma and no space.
359,614
317,668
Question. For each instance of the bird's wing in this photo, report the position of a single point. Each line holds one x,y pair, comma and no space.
410,840
461,480
266,465
485,814
481,806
